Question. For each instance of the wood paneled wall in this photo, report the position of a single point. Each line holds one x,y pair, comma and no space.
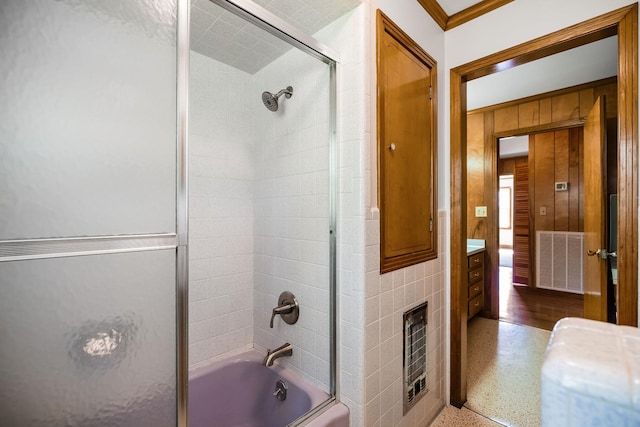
548,111
508,166
476,191
556,157
564,108
553,111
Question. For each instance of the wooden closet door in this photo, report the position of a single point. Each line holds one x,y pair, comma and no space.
521,224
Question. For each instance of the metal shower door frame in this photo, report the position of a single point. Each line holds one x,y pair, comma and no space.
182,215
286,32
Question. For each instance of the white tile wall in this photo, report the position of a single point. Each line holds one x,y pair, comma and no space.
349,37
259,211
291,211
221,242
388,296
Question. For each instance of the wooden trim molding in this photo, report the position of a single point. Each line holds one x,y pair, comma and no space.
447,22
565,124
474,11
622,22
458,230
576,88
628,168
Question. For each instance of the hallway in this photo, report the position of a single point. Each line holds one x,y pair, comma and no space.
504,362
540,308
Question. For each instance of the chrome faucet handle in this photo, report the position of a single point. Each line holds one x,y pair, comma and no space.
284,309
287,308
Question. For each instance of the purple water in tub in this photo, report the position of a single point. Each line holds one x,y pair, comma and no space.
239,392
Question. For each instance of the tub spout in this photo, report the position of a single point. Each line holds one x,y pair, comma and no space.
282,351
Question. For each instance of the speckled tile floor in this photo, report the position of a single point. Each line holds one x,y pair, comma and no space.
454,417
503,376
503,371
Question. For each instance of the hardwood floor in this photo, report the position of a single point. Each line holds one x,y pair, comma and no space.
540,308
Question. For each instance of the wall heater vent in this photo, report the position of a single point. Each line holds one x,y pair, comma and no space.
559,258
415,354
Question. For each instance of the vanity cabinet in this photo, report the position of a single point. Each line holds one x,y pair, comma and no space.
475,283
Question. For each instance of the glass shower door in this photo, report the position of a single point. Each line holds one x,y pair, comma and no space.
89,223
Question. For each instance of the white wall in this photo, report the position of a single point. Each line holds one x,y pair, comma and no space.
522,20
371,305
221,170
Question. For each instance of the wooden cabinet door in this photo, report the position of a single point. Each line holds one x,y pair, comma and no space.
406,132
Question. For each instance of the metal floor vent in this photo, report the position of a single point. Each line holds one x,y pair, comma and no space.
415,356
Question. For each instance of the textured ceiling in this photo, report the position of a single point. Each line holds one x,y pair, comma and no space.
223,36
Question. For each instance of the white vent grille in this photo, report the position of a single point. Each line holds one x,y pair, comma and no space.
559,257
415,355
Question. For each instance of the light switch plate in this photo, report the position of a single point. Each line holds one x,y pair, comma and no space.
481,211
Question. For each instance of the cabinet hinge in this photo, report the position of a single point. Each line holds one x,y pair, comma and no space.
431,225
430,92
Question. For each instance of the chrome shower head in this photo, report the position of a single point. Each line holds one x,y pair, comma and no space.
271,101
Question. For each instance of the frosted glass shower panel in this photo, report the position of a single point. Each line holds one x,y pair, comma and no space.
87,117
88,341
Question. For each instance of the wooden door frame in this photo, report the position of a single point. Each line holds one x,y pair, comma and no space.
622,22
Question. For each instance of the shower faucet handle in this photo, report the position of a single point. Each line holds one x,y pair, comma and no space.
287,308
284,309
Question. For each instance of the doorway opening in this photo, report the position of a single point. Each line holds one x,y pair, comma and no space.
621,22
538,212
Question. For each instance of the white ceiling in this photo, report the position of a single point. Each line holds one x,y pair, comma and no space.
514,146
223,36
583,64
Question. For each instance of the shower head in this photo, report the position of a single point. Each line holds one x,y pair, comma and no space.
271,101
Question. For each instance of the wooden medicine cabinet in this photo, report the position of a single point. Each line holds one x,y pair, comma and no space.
407,159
